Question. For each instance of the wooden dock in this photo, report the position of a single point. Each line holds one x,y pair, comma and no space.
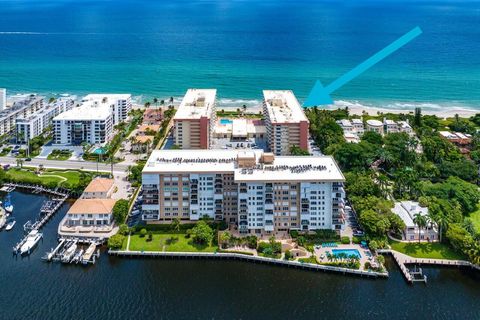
403,260
48,210
244,257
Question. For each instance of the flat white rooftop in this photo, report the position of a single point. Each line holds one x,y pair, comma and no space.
94,107
196,103
283,106
85,112
284,168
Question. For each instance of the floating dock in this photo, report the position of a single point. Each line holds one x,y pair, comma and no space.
48,210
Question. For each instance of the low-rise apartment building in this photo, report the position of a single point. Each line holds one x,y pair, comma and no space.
99,188
285,121
20,108
253,191
33,125
91,216
194,121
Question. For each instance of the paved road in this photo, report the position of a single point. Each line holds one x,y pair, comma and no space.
68,164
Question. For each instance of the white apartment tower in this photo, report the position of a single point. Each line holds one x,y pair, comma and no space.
254,191
93,121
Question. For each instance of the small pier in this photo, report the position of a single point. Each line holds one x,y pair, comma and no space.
71,251
7,189
416,275
48,210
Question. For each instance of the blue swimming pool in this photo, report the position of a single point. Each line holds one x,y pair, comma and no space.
225,121
348,252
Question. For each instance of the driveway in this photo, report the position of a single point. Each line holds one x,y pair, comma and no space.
77,152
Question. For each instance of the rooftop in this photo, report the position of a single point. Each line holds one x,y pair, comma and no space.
85,112
283,168
92,206
407,210
99,185
197,103
283,107
374,123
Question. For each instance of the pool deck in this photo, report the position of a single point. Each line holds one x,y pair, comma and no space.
364,257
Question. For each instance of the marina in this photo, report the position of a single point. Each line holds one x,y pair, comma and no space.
47,211
74,251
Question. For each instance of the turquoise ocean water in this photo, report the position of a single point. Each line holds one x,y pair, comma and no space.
161,48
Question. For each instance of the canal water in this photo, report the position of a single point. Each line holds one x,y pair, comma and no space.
120,288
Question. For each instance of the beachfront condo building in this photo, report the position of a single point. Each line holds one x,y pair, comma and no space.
194,121
286,123
23,106
93,121
253,191
3,98
33,125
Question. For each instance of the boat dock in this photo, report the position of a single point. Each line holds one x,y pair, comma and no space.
7,189
70,251
416,275
48,210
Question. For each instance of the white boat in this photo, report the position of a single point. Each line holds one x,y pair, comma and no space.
69,253
3,218
10,225
9,208
32,239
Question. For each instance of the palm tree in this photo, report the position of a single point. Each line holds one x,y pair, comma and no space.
155,101
383,184
440,221
175,225
420,221
244,108
147,104
171,101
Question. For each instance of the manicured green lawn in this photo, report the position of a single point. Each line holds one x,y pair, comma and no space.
475,218
27,175
60,177
433,250
167,242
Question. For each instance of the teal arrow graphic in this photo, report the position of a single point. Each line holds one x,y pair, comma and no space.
320,95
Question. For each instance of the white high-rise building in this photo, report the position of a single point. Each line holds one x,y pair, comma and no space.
257,192
21,107
93,121
3,98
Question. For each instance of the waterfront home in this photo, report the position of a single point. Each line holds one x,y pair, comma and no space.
407,211
375,125
99,188
89,218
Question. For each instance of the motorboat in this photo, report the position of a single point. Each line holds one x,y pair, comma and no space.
69,253
10,225
32,240
3,218
8,205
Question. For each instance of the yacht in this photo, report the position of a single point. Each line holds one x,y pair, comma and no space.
69,253
32,239
10,225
